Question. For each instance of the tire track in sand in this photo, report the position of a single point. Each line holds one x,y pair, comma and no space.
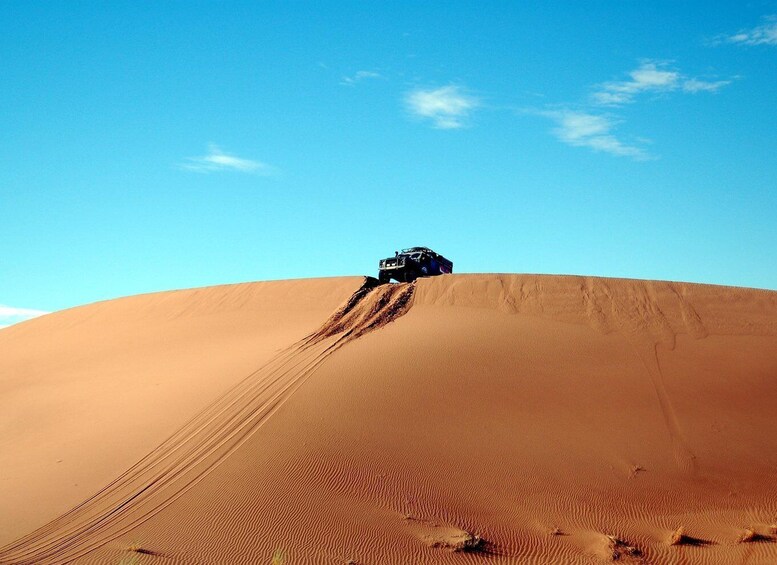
645,327
196,449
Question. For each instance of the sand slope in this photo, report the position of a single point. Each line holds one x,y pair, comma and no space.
525,419
87,392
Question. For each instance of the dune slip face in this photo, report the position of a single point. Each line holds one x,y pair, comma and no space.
458,419
187,456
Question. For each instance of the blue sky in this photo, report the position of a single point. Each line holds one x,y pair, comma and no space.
158,145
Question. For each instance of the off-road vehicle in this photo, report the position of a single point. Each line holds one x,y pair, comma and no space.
409,264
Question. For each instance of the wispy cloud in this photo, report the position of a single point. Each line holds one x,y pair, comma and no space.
647,77
695,85
10,315
764,34
585,129
650,76
359,76
589,127
218,160
447,107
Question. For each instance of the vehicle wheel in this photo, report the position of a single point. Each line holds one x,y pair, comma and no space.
424,270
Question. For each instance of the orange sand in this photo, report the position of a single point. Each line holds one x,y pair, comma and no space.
459,419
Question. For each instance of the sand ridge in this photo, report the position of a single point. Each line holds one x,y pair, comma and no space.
476,419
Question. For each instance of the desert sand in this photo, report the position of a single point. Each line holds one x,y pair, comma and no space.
457,419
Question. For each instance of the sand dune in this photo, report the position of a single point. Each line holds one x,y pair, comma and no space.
461,419
89,391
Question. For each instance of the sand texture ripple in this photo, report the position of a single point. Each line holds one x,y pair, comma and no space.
457,419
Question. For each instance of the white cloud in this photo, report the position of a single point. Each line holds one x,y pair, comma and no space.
447,107
10,315
589,128
651,77
764,34
583,129
217,160
360,76
695,85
